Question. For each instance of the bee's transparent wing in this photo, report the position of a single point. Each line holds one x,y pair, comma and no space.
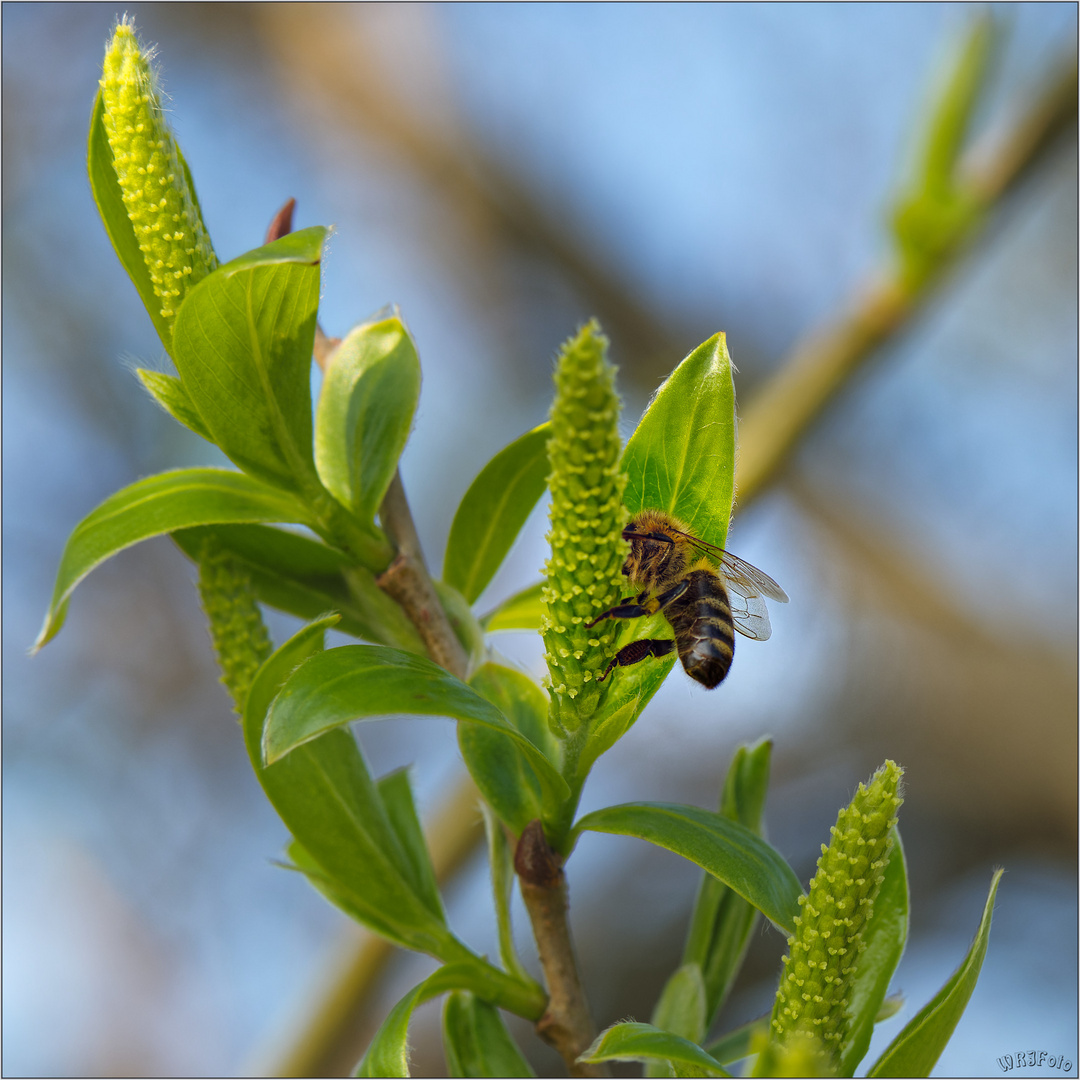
748,580
749,615
747,590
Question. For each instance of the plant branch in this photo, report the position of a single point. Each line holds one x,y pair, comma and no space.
566,1024
408,582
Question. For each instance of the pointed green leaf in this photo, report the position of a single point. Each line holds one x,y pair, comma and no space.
723,921
501,863
242,344
493,511
889,1007
329,802
935,210
363,682
168,391
388,1053
463,622
681,1008
522,611
630,691
726,849
949,117
304,577
916,1049
476,1040
643,1042
160,504
334,892
885,937
740,1042
365,413
397,797
681,458
504,775
106,190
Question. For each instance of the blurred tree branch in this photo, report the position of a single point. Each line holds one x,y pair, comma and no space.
335,55
942,688
327,55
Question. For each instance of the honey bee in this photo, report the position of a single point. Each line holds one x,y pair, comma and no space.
704,605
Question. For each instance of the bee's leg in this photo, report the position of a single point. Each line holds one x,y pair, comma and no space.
637,651
660,602
630,608
636,607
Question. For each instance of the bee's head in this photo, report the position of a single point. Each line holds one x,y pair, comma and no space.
648,546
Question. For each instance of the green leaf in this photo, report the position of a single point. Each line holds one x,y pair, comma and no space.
304,577
958,95
723,921
329,802
630,692
936,209
304,862
476,1040
522,611
916,1049
397,797
242,344
643,1042
493,511
726,849
362,682
681,1008
741,1042
504,775
388,1053
106,191
747,785
463,622
889,1007
365,412
681,458
885,936
161,504
168,391
501,863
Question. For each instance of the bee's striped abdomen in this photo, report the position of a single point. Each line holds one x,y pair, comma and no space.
704,631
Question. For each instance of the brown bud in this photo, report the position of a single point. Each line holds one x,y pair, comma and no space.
282,223
534,861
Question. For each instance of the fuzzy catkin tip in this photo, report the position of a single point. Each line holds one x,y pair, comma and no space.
587,515
823,953
153,182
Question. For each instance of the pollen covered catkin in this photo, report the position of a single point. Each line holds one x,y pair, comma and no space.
823,954
153,182
237,630
583,574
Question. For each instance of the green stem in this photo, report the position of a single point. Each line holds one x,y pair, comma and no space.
337,526
558,831
526,999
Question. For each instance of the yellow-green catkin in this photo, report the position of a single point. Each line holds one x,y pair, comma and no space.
823,954
236,625
153,183
587,517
